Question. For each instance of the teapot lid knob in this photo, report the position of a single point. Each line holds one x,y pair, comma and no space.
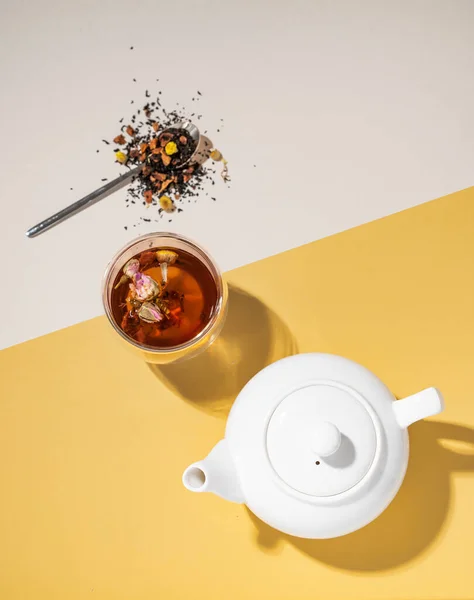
326,438
322,439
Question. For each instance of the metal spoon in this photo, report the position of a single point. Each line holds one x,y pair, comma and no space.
109,188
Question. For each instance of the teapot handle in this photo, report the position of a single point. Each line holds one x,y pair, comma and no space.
418,406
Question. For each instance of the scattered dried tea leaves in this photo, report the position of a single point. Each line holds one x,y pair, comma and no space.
170,173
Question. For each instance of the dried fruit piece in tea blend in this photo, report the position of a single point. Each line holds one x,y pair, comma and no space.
147,259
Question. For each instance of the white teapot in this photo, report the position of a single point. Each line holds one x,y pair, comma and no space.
316,446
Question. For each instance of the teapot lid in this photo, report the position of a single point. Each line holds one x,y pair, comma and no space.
322,438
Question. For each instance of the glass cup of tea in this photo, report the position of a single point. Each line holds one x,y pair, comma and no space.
165,297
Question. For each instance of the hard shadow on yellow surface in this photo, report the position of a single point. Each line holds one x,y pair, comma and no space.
94,444
415,517
253,337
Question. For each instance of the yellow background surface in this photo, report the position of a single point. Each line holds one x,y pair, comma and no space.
93,441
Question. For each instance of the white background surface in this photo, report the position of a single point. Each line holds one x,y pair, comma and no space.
349,110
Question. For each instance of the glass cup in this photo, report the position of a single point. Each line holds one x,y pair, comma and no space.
204,338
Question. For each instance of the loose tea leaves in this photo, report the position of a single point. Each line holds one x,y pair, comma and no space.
171,175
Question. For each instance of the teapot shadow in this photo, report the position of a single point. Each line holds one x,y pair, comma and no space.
412,521
253,337
344,457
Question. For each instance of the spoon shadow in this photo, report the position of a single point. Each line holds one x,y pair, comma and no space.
253,337
413,520
203,150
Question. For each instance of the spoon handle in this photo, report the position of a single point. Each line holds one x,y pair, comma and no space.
83,203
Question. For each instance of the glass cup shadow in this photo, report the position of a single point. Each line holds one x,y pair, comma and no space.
252,337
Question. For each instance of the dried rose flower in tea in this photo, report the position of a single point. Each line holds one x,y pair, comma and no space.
163,297
168,176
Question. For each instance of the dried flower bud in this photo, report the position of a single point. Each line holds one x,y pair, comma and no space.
121,157
171,148
166,204
146,288
225,171
148,195
216,155
165,258
150,313
122,280
131,268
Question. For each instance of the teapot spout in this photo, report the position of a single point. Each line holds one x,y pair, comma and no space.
424,404
216,474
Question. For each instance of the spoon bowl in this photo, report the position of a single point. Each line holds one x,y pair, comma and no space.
195,134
